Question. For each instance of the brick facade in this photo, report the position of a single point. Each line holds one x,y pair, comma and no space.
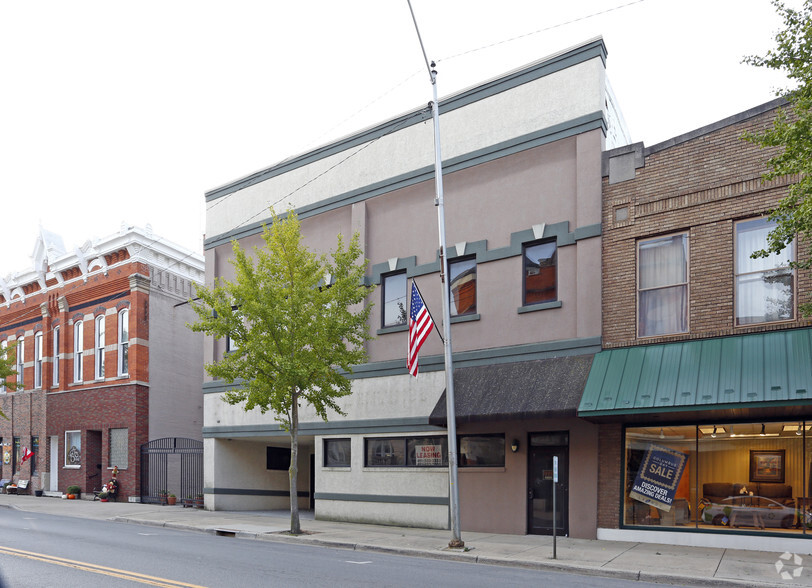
66,291
700,184
610,443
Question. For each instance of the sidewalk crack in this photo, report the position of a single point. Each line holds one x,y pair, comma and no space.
716,571
619,554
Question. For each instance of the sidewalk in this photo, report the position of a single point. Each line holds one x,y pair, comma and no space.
692,566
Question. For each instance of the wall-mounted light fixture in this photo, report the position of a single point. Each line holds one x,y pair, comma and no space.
514,445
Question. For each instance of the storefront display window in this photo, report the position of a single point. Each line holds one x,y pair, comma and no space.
748,477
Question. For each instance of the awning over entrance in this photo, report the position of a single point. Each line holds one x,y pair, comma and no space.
541,388
758,371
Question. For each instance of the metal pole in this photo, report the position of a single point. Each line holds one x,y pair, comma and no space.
555,519
453,490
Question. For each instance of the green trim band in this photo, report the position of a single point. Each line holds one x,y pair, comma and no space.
250,492
340,427
384,498
512,80
561,131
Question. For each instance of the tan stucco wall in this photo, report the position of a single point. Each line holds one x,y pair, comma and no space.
495,499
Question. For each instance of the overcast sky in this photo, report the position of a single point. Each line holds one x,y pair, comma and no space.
116,112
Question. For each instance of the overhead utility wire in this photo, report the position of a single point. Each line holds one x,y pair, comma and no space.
392,89
551,27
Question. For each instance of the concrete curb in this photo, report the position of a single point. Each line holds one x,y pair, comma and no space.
463,557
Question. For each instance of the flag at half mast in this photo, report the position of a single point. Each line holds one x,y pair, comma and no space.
420,325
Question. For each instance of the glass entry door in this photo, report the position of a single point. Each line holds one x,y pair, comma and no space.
540,516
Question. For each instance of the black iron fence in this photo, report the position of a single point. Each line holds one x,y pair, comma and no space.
172,465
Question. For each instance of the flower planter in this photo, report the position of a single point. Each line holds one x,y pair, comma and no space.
171,500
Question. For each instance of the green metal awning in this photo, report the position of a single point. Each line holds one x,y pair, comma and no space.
760,371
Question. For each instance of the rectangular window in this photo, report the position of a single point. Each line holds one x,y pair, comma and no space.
78,349
337,453
119,442
4,353
729,477
462,284
35,451
100,347
231,342
20,366
481,450
393,298
406,452
540,272
38,360
123,342
764,286
73,449
277,458
56,356
662,286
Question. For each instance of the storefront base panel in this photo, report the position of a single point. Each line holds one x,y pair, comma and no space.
801,546
425,516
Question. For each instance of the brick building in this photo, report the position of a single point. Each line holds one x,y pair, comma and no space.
705,359
105,360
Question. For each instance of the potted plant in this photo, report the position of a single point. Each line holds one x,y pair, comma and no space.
73,491
171,499
103,496
162,496
198,501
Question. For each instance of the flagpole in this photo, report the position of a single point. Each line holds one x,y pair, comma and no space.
453,489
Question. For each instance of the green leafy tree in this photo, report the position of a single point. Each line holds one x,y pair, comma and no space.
791,133
298,324
7,362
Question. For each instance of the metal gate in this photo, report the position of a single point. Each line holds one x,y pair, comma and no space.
172,465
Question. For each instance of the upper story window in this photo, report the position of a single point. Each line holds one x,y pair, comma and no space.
20,366
56,355
462,284
393,298
99,347
123,342
540,272
662,286
765,286
78,351
38,360
231,341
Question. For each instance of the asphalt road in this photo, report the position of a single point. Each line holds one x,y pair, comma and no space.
38,550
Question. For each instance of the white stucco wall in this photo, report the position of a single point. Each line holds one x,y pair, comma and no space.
372,398
542,103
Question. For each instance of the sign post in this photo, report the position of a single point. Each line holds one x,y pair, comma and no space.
555,512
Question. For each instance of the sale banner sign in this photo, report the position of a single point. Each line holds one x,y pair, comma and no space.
658,477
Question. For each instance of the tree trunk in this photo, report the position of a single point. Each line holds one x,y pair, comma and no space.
293,472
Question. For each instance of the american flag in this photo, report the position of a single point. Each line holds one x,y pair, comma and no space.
420,325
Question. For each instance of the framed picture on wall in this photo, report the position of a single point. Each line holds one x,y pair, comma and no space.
767,466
